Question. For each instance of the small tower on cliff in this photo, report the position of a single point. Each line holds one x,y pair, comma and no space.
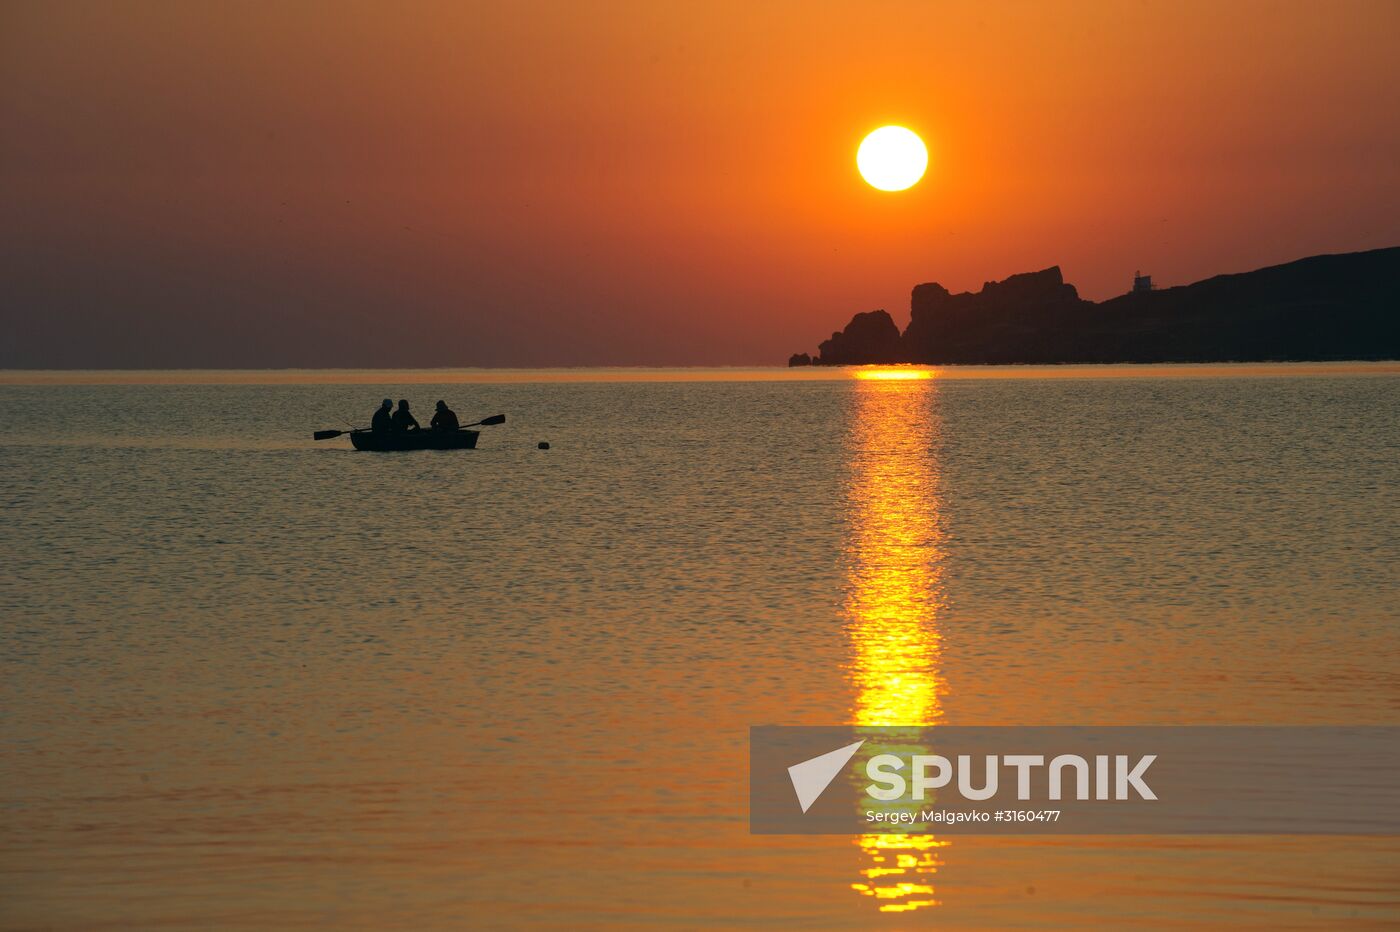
1141,283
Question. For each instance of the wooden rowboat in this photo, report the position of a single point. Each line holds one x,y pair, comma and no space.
414,440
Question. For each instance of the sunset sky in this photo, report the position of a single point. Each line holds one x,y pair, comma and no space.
356,184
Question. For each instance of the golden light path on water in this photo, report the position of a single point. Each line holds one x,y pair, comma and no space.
894,594
893,375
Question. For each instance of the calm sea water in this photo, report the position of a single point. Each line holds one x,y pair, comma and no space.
250,679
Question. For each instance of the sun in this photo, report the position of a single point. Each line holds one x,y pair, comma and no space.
892,158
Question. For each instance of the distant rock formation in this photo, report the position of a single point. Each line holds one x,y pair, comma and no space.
799,359
1325,307
1002,313
869,337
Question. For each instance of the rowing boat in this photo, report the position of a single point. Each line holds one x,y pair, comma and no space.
414,440
385,441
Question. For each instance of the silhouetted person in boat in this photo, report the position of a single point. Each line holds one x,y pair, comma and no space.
403,419
383,420
445,418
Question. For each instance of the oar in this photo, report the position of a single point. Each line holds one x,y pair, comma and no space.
484,422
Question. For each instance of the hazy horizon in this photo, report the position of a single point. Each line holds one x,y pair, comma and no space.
350,185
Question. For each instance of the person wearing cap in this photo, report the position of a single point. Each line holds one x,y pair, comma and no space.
444,418
403,419
382,421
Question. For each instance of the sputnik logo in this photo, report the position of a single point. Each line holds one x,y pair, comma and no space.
811,777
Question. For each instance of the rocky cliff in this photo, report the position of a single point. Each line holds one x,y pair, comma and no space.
1325,307
870,337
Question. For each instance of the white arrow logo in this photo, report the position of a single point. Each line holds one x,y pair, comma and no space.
811,777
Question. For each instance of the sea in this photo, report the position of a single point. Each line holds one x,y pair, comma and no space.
250,679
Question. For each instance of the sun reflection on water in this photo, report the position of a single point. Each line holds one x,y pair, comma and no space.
894,594
900,374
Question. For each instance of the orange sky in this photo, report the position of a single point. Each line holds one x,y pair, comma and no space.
338,184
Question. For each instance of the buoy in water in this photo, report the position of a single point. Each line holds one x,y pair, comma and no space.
544,445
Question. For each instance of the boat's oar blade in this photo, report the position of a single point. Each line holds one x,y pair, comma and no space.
327,434
493,419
